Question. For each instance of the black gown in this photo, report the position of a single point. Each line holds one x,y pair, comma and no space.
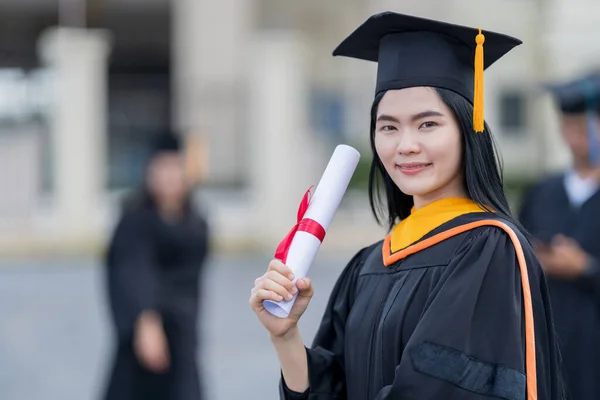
155,265
547,211
445,323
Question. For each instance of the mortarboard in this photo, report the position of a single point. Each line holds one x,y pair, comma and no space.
581,96
166,142
412,51
576,96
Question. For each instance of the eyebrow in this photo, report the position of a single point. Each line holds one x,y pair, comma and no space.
421,115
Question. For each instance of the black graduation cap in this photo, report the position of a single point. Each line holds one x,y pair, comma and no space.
166,142
413,51
577,96
582,96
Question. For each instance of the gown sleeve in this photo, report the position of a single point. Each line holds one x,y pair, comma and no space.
469,343
132,272
590,279
326,356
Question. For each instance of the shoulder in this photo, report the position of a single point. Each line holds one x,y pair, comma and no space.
504,253
549,183
358,261
361,257
133,222
493,232
136,216
500,252
130,227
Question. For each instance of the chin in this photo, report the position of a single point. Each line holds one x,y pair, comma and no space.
413,190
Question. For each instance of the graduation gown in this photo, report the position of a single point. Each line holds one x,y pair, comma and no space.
444,319
155,265
546,211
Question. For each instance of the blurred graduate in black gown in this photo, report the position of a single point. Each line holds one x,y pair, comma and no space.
154,263
562,212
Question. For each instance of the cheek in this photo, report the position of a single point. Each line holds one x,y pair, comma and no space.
447,156
175,179
574,139
163,181
386,148
168,181
574,133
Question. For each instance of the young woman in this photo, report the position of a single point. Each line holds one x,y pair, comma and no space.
452,304
153,266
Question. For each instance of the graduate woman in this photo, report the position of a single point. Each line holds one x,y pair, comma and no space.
154,261
452,304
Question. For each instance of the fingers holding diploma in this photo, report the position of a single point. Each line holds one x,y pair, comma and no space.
277,284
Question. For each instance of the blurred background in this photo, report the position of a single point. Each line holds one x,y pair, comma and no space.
252,88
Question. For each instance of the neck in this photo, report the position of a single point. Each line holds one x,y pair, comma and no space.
585,171
421,201
428,218
170,210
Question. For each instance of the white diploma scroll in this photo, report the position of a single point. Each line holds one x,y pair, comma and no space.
323,205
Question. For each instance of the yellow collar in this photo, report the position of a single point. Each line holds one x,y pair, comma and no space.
422,221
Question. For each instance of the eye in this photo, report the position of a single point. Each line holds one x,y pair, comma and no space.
387,128
428,124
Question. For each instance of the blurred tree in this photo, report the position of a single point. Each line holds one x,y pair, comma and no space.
360,179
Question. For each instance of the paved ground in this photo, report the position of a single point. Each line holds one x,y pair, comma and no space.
55,342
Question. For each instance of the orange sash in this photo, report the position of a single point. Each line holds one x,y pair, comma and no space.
530,363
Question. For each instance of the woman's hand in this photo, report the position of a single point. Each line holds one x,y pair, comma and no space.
150,342
276,284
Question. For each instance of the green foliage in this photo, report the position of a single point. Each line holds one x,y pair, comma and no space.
515,189
360,179
517,186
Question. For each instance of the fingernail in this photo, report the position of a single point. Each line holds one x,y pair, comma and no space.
291,276
279,298
294,289
288,297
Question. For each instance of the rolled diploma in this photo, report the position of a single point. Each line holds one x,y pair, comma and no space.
322,207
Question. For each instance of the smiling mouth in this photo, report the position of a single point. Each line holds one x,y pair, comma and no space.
412,168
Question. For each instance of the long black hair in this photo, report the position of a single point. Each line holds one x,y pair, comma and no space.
482,165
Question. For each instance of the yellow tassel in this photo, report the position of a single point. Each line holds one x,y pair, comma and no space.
478,120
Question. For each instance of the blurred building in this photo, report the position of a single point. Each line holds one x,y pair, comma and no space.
252,85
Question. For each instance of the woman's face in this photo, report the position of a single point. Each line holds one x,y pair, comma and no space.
418,140
166,178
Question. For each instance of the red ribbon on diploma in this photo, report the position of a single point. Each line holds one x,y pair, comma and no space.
302,225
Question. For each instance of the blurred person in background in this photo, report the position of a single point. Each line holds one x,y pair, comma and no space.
154,264
562,213
452,304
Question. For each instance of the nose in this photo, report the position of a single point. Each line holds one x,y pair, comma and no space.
408,143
